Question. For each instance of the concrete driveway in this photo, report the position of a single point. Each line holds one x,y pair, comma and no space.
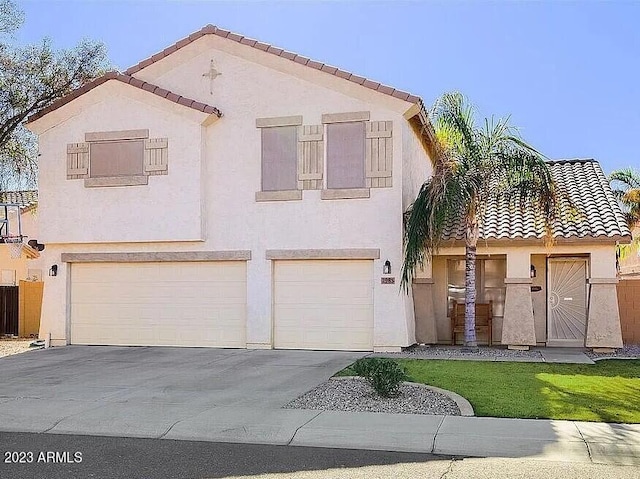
148,392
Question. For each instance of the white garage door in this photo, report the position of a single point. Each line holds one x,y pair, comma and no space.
159,304
323,305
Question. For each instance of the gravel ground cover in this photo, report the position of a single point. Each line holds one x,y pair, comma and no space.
632,351
14,346
354,394
446,352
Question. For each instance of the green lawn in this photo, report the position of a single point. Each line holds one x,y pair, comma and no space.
608,391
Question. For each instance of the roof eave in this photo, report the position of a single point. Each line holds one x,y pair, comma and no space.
128,80
520,241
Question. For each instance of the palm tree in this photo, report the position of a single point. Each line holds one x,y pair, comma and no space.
625,184
475,166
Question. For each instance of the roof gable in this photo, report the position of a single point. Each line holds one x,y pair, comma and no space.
267,48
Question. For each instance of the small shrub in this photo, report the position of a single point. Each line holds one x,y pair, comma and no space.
363,367
384,375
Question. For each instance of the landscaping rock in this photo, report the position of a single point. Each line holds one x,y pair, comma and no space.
355,394
458,352
13,346
627,352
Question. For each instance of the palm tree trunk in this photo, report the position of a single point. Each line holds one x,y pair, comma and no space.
470,297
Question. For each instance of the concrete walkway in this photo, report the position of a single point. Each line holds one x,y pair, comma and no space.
235,396
483,353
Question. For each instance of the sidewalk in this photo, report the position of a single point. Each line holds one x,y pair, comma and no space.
566,441
447,435
484,353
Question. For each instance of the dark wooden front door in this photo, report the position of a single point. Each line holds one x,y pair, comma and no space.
8,310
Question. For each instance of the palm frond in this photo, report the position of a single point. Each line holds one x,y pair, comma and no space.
628,177
441,199
625,184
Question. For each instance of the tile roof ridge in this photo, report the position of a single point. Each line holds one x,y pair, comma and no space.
129,80
572,160
3,192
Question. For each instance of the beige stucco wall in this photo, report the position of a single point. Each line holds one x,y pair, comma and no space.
218,193
168,209
21,266
519,259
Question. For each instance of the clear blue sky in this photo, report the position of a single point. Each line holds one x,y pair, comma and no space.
567,72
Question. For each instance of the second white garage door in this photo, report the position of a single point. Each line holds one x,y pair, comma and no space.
323,304
159,304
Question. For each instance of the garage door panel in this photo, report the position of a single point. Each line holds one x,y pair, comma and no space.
315,292
183,304
323,304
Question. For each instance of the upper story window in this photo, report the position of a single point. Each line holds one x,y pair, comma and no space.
359,155
117,158
279,158
345,155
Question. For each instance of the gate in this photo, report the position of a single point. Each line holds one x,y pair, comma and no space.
9,310
566,301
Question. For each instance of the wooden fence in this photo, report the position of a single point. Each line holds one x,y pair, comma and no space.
629,304
30,308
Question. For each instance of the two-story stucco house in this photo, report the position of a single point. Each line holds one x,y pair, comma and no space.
225,192
228,193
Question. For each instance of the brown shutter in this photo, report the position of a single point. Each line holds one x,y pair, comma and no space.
379,154
156,156
77,161
310,157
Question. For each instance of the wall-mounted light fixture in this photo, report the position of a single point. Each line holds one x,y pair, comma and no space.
386,269
53,271
533,271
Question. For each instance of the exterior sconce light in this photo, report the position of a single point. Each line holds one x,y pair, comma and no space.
386,269
53,271
533,271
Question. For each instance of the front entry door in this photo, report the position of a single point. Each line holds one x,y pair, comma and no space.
566,301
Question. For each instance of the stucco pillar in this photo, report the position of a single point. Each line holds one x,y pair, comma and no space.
54,312
603,317
424,311
518,325
259,306
603,320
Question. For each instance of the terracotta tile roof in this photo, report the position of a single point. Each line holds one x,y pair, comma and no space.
25,198
588,188
265,47
156,90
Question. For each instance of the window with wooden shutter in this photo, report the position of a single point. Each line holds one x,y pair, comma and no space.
379,154
77,161
310,157
117,158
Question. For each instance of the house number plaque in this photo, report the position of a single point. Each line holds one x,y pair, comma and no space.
387,280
